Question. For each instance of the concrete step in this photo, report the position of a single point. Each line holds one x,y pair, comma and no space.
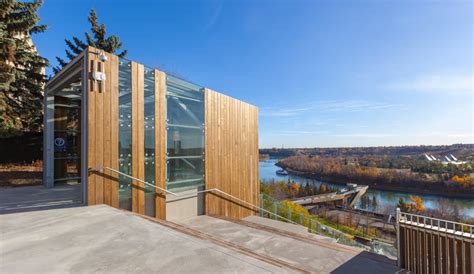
307,253
288,227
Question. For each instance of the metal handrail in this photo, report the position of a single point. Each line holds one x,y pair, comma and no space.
409,217
102,168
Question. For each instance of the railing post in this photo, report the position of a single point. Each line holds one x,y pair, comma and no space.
275,210
289,214
397,223
309,225
261,205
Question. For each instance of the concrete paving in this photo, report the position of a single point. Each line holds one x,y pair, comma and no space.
308,256
30,198
108,240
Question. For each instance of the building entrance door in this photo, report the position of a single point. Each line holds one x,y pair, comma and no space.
67,139
62,133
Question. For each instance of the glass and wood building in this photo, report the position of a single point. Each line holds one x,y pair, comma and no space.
138,139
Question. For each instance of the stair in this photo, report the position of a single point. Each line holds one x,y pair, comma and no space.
304,252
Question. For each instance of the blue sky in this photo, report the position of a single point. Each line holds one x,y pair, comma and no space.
323,73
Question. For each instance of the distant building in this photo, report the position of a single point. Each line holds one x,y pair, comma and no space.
448,159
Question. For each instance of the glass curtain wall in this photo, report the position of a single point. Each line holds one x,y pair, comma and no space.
149,109
125,133
185,134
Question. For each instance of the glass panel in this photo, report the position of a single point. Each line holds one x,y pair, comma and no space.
149,109
180,88
185,134
185,168
181,185
125,134
185,112
67,134
185,141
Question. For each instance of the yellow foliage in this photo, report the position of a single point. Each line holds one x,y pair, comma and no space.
295,187
465,180
416,204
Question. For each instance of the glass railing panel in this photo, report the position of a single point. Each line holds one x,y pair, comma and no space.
284,211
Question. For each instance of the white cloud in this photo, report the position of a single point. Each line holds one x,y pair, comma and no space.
284,112
365,135
298,132
327,106
436,83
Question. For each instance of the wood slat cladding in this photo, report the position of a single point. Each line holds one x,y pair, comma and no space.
423,250
231,154
160,143
231,142
102,129
138,137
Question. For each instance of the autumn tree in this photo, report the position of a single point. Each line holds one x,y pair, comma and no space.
416,204
323,188
97,39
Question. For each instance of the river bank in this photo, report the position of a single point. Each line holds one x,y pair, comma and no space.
385,187
385,198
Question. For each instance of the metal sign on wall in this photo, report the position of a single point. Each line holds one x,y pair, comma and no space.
59,145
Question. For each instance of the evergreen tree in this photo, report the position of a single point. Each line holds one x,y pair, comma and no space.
402,205
307,189
21,68
363,201
374,203
98,40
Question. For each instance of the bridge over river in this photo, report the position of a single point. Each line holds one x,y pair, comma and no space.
345,198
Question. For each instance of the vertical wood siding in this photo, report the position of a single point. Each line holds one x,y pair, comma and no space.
138,138
231,154
102,129
429,251
160,143
231,141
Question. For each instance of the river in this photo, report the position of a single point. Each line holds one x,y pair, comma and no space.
267,171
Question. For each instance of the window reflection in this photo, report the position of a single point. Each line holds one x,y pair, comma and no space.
185,134
149,124
125,133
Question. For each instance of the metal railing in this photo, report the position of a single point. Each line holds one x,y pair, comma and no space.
312,224
102,168
436,224
433,245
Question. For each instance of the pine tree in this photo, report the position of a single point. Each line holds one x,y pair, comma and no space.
98,40
374,203
21,68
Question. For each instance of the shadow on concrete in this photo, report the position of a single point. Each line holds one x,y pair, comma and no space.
359,264
34,198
